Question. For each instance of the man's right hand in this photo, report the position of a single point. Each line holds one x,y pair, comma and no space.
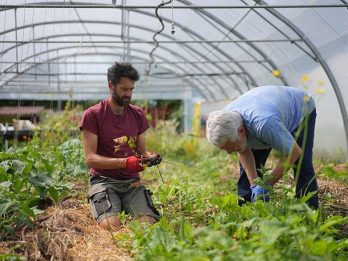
133,163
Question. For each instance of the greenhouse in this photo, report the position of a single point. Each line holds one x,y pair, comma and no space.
95,94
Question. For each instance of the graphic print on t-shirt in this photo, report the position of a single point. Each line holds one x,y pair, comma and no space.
125,141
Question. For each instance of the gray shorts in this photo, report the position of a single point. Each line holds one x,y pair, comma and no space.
109,197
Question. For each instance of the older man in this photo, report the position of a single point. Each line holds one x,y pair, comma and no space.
262,119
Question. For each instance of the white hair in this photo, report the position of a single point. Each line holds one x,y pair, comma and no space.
223,125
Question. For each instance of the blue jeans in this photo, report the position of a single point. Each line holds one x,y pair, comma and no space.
306,180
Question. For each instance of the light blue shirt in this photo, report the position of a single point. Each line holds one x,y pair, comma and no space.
271,114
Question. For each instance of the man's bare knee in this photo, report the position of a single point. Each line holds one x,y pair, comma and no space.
110,222
147,219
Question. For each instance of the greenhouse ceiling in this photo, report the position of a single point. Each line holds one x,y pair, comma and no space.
205,50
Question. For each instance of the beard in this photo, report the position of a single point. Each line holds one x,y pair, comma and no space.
120,101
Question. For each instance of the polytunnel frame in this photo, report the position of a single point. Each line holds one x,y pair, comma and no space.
184,28
264,5
191,32
145,28
78,47
79,54
117,23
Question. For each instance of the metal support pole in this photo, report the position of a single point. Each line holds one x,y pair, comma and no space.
125,40
131,7
128,33
16,36
59,101
146,62
34,50
187,109
6,140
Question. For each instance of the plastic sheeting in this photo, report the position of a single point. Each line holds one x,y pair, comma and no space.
215,54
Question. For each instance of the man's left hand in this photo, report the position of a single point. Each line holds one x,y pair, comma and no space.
258,192
152,159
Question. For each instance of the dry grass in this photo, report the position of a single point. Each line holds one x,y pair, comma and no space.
338,191
66,232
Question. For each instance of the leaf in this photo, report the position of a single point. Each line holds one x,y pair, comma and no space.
37,211
272,230
162,239
318,248
227,201
25,210
5,165
54,193
185,232
4,207
41,180
315,216
308,196
334,220
3,174
49,167
12,257
19,166
17,185
5,184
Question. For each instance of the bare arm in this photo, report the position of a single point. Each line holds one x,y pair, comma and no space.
247,160
285,163
93,160
141,144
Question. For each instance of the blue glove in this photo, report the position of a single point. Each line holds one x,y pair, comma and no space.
258,192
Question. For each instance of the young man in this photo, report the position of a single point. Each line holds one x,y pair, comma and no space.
113,135
266,118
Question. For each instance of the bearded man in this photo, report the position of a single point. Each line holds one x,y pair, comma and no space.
113,135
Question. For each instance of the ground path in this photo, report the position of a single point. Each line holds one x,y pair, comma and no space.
68,232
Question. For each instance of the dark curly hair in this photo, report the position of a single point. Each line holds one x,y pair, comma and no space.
118,70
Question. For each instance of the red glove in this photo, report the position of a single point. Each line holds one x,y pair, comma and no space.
134,164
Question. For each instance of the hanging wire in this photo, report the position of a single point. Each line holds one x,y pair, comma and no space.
3,44
173,29
19,101
30,34
28,46
227,34
84,27
152,59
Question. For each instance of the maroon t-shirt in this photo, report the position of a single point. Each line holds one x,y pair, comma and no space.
117,134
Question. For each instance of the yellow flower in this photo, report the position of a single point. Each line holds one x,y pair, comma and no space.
304,78
320,90
276,73
306,98
320,82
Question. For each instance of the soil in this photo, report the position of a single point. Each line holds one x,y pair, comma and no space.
68,232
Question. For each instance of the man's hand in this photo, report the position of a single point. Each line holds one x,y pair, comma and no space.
258,192
133,163
152,159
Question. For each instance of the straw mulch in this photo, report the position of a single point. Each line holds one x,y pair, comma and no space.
66,232
338,192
